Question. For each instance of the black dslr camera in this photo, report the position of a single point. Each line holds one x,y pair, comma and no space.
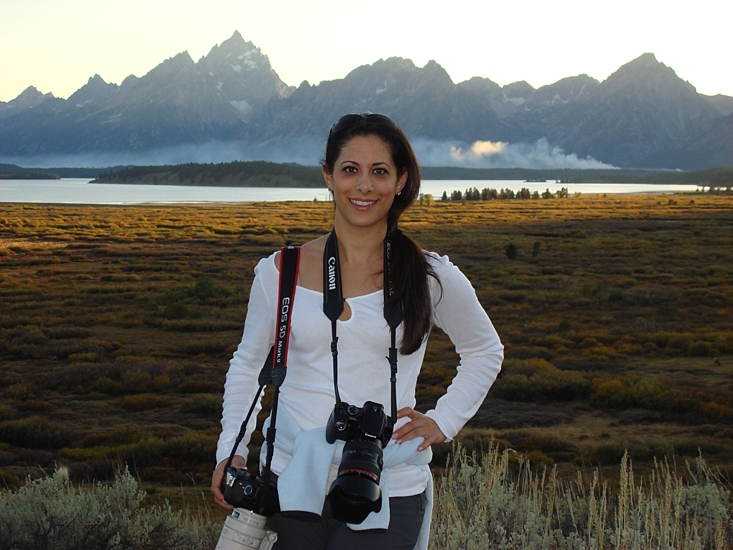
243,489
355,492
253,501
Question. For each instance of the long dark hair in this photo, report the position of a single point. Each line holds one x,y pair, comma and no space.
410,269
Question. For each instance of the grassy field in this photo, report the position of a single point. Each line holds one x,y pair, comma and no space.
117,324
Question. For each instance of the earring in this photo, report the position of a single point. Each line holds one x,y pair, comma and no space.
398,194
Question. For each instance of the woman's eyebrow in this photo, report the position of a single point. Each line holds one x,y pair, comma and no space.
377,163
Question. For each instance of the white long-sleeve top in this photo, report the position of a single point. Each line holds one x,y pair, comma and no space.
363,370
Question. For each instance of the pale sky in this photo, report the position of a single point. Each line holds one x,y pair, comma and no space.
56,45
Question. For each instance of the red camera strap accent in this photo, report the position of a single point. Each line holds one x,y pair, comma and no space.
275,365
289,266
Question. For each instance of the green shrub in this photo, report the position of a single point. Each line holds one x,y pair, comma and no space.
35,432
608,453
64,333
95,453
136,380
8,480
538,457
503,501
716,412
142,402
66,348
605,391
37,406
644,392
538,380
108,386
553,342
431,393
192,447
200,386
205,346
6,412
527,352
17,391
161,382
701,348
52,514
86,357
146,452
117,278
205,404
201,325
124,434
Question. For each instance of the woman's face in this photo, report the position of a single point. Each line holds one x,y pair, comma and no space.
364,182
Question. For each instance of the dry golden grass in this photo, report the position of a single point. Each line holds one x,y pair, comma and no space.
616,314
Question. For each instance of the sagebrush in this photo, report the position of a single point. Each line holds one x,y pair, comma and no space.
498,500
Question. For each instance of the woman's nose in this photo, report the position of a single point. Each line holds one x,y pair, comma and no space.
364,183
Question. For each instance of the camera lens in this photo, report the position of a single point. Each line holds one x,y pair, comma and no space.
355,493
245,529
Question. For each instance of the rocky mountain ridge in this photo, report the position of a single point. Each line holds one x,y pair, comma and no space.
231,104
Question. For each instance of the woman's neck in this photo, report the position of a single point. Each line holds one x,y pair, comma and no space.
359,245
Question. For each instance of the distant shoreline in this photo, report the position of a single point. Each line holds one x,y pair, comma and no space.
80,192
288,175
29,176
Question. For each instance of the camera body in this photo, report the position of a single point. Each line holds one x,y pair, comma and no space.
254,501
355,492
370,421
243,489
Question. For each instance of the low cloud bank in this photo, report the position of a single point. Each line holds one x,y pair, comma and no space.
480,154
499,154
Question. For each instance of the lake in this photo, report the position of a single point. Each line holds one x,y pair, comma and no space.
80,191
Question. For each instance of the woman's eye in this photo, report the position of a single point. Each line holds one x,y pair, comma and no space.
380,171
350,169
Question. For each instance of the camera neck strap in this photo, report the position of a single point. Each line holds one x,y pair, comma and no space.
275,367
333,307
289,267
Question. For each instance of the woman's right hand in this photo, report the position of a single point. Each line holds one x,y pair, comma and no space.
218,476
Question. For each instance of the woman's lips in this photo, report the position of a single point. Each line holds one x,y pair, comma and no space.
361,203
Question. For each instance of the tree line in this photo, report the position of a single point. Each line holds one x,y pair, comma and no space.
490,194
258,173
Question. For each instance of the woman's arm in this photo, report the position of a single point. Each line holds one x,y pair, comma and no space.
460,314
244,368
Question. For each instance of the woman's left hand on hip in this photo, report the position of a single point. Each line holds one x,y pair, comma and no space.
419,425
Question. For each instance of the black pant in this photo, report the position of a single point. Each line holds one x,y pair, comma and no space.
406,517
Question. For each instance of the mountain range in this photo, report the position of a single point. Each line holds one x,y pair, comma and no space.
232,105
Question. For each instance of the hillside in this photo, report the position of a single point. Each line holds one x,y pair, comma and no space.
230,174
267,174
231,104
14,172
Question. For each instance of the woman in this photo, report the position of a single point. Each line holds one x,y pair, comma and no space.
373,175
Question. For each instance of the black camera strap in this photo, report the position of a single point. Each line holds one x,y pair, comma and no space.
393,315
275,367
333,298
289,266
333,307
